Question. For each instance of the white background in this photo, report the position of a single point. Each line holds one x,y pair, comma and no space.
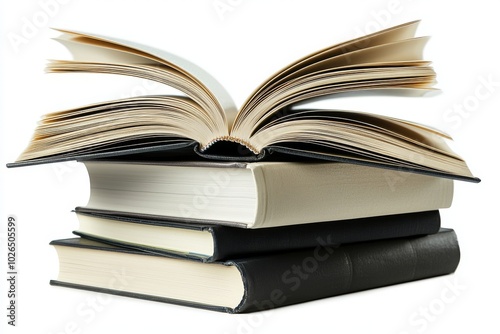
241,43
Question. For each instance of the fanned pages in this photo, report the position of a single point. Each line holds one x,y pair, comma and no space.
206,120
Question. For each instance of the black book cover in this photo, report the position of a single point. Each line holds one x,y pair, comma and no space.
234,242
287,278
186,150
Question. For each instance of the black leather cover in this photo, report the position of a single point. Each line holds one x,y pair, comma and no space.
349,268
233,242
287,278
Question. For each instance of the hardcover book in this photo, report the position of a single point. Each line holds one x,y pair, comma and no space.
255,283
211,242
205,123
260,194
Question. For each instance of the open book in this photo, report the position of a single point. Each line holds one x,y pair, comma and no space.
205,122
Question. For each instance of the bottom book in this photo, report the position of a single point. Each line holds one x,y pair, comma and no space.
255,283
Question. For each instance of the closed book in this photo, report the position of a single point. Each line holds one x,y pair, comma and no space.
260,194
255,283
212,242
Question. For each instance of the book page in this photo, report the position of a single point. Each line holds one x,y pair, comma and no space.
119,124
401,32
138,51
363,136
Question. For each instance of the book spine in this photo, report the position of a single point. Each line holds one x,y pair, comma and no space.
326,271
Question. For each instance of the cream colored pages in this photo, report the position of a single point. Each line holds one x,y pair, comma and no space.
405,52
335,191
173,191
162,237
335,81
401,32
191,281
197,74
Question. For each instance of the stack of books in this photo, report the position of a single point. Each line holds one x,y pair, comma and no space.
197,203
